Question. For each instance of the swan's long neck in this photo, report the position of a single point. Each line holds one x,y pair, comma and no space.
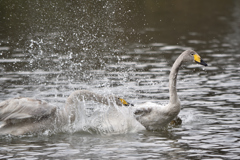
173,81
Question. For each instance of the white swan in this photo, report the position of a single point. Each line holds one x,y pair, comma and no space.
153,116
26,115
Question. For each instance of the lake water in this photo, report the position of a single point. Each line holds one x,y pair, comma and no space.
126,48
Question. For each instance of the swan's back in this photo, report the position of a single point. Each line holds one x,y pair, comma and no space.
23,115
154,116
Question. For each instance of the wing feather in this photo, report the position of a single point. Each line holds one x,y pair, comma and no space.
19,109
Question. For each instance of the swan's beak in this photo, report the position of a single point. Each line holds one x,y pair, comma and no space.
125,103
198,60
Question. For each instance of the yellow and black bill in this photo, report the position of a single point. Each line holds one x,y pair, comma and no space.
125,103
198,60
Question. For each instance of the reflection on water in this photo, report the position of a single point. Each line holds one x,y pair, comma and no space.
48,49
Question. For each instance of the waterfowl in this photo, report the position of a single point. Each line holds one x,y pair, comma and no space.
27,115
154,116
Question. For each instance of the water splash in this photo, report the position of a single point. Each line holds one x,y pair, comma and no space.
97,118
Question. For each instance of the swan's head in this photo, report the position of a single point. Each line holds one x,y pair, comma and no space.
192,56
125,103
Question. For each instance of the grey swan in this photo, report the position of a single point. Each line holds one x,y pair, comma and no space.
20,116
26,115
154,116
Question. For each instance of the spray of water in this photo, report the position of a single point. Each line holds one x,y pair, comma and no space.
98,118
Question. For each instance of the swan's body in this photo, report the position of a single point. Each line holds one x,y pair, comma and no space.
25,115
153,116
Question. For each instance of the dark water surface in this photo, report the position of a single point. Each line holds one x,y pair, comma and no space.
50,48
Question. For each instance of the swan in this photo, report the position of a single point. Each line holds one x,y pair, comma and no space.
23,115
154,116
27,115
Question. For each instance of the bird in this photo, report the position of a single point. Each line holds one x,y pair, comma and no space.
154,116
23,115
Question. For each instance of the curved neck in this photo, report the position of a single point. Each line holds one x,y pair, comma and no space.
173,80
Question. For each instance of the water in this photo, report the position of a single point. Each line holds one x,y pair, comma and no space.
126,48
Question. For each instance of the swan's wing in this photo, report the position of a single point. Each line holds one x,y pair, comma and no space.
19,109
142,111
